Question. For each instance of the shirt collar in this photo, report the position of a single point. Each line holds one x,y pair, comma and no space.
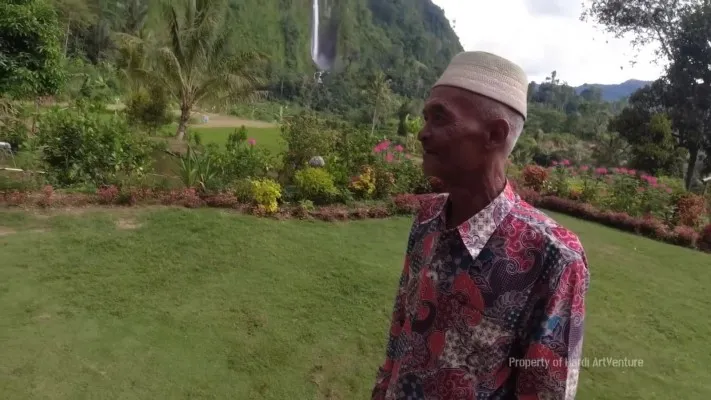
477,230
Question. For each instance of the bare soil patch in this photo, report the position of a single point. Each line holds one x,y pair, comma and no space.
127,224
228,121
6,231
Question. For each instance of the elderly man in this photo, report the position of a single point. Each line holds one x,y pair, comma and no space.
491,298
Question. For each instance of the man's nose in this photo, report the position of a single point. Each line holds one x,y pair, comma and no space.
424,135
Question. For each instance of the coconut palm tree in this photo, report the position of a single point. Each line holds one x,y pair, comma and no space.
197,64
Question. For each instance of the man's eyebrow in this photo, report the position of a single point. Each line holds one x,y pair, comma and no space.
434,105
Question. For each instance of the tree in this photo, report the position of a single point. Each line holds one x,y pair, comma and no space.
611,149
30,49
646,21
379,92
653,146
688,97
683,30
75,15
407,108
198,64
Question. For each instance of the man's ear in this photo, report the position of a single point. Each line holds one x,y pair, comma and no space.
499,131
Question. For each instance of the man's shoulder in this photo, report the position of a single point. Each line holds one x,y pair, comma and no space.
558,240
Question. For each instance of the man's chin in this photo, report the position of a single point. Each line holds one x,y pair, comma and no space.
436,184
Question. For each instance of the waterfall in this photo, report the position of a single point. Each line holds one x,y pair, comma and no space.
321,60
314,35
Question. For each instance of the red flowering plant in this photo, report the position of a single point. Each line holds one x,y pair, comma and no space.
654,198
624,191
396,171
559,182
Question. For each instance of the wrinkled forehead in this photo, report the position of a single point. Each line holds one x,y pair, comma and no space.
452,99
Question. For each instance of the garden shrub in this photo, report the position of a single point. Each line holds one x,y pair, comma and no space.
150,111
690,209
534,177
655,199
704,240
685,236
222,200
14,132
332,213
198,170
409,177
529,195
351,151
47,197
624,194
242,158
558,182
81,146
20,181
407,204
15,198
384,181
306,136
242,189
266,194
363,185
315,184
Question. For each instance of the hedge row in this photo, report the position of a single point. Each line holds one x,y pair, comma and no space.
407,204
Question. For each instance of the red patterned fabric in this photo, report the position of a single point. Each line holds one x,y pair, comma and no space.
493,309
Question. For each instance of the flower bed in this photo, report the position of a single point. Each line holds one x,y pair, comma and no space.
619,198
406,204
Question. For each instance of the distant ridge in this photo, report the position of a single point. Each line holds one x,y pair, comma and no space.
614,92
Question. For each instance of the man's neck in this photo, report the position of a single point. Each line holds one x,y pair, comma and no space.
467,200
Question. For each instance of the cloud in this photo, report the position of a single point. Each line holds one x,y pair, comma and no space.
562,8
546,35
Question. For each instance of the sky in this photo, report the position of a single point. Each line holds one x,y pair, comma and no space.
546,35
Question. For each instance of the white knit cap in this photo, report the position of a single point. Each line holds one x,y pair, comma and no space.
488,75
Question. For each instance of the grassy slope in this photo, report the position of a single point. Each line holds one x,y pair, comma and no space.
269,138
206,304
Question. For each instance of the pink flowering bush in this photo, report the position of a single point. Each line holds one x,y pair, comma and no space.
396,172
627,199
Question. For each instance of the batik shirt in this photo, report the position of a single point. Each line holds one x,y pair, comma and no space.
492,309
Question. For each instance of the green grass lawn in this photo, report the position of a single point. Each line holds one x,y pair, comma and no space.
268,138
177,303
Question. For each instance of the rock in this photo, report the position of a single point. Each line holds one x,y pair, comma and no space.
317,161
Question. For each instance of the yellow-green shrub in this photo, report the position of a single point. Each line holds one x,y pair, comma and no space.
266,193
315,184
363,185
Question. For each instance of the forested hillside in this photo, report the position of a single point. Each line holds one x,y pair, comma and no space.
410,40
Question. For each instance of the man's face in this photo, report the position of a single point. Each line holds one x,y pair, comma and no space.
458,144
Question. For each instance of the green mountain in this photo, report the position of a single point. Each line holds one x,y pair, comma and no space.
615,92
411,40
